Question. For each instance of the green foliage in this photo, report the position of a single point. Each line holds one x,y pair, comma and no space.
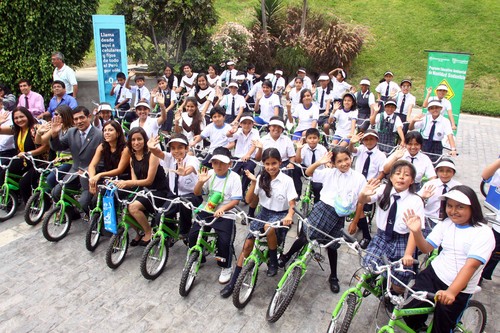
30,30
234,40
274,18
292,57
163,30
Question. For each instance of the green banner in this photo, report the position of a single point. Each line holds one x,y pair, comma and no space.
447,68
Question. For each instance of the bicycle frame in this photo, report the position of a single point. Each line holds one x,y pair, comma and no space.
67,200
397,321
11,183
302,260
202,243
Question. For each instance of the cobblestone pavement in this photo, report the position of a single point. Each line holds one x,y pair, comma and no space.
62,287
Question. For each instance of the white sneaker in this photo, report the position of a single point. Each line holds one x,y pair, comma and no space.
225,275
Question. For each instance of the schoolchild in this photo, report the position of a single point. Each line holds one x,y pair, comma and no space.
242,86
341,188
308,153
268,104
149,124
441,92
388,125
228,183
123,96
190,122
169,97
102,114
387,88
182,170
466,242
301,72
434,128
405,100
393,239
169,75
306,114
204,94
214,80
233,103
344,116
244,150
412,153
293,96
256,90
432,190
187,81
340,86
229,74
216,132
141,92
365,100
278,82
324,98
275,193
370,163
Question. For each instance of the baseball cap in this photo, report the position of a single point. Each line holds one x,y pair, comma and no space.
442,87
446,163
434,103
142,104
222,154
277,122
180,140
457,196
391,102
233,84
365,82
370,132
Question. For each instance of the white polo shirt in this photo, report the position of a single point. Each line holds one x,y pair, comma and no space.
67,75
405,202
305,116
232,189
377,161
150,126
344,122
459,243
267,105
443,127
422,164
307,83
216,135
339,88
244,142
282,192
433,203
186,183
306,154
294,97
284,145
188,82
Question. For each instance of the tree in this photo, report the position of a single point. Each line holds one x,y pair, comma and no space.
163,30
31,30
303,20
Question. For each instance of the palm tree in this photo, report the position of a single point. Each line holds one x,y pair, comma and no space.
303,21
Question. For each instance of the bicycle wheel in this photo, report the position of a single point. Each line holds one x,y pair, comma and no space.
8,206
473,319
282,297
55,225
245,285
93,234
484,187
35,208
342,320
154,258
188,274
117,249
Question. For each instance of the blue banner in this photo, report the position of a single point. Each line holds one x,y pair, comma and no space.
110,51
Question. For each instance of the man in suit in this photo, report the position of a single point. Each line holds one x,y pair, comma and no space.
82,140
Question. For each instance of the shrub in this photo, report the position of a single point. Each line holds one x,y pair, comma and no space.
234,39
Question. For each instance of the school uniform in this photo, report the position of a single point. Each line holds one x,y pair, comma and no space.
492,263
254,91
150,126
175,82
321,97
278,82
188,82
445,103
385,89
233,104
250,80
433,203
266,107
242,147
203,97
140,93
229,75
181,186
188,121
243,91
169,96
364,101
305,118
121,94
276,207
343,120
393,243
374,166
306,85
459,243
423,165
294,97
230,187
218,138
387,128
404,101
433,131
214,82
339,89
309,156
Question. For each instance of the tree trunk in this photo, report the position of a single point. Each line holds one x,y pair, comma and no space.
264,19
303,21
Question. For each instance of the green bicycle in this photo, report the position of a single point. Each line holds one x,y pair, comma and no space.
155,255
247,280
96,218
295,272
57,222
206,243
8,192
39,201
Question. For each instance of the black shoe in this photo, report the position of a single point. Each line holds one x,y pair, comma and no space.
282,260
227,290
364,243
272,270
334,285
135,242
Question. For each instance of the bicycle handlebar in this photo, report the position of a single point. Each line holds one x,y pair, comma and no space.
10,162
272,225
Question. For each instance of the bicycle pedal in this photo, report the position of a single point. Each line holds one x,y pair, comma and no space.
220,259
318,257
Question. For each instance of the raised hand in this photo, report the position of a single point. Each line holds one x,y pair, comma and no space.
4,116
336,106
370,187
429,90
300,143
181,167
160,98
356,138
399,152
56,124
203,175
154,142
250,176
326,158
428,191
412,221
257,144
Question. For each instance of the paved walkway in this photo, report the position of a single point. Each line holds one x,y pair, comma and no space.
63,288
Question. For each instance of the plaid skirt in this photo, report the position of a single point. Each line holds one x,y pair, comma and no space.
325,218
393,249
269,216
433,147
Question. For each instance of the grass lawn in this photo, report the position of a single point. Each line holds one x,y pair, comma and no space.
400,31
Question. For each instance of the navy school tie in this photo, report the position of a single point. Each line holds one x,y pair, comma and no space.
391,218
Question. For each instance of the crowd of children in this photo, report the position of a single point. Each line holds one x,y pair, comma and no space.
391,162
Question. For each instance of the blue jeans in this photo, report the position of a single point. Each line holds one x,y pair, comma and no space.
51,178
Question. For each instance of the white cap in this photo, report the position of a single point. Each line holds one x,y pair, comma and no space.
277,122
365,82
104,107
230,63
246,118
457,196
442,87
342,72
446,163
180,140
142,104
323,78
278,72
301,70
269,76
220,157
370,133
434,103
391,102
240,77
233,84
388,73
